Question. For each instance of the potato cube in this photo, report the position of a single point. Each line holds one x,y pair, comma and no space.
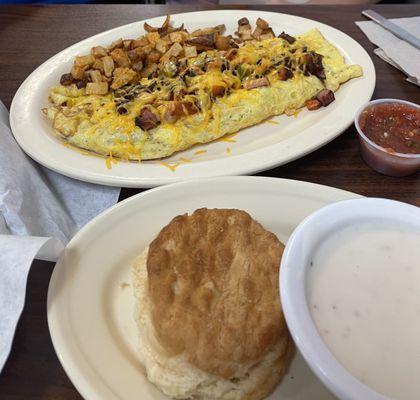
99,51
190,51
95,76
97,88
153,37
108,65
140,42
122,76
127,44
84,61
116,45
99,65
77,72
161,46
120,57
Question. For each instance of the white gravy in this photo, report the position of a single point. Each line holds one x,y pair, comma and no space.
364,296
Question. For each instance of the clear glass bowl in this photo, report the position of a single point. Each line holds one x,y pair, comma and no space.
392,164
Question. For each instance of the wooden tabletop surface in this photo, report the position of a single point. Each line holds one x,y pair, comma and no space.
32,34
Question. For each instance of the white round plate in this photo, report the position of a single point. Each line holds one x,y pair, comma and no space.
90,300
252,150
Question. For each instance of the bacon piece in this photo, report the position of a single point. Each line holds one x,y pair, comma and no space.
325,97
147,119
256,83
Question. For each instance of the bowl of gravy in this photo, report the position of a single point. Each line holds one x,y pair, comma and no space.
389,136
350,284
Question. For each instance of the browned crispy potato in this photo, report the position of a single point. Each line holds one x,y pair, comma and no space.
140,42
175,50
84,61
206,31
267,35
108,65
97,88
95,76
125,61
153,57
190,51
115,45
261,23
138,66
77,72
136,54
177,37
257,32
120,57
153,37
99,65
161,46
149,28
127,44
222,42
149,70
122,76
203,42
99,51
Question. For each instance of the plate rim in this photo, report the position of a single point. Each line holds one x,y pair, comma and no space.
250,162
69,361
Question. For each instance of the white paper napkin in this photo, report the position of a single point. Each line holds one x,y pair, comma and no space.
40,211
393,50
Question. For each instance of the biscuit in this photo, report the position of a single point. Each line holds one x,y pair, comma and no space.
213,284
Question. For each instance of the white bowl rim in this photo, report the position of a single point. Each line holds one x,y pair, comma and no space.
298,316
371,142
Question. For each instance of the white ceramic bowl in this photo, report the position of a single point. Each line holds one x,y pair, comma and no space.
293,289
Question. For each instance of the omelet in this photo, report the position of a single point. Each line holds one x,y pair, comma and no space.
257,80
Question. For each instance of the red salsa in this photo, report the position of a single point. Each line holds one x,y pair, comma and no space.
393,126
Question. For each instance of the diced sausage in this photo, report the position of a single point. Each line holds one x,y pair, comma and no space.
284,74
147,119
66,79
314,64
256,83
287,38
313,104
80,83
325,97
178,109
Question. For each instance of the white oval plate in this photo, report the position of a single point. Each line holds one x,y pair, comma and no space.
90,308
254,149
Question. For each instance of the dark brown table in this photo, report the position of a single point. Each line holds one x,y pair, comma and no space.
32,34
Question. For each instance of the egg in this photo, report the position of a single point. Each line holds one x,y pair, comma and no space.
92,122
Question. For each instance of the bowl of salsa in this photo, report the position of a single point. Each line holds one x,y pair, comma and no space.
389,134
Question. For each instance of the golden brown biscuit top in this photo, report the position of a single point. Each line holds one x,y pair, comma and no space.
213,286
